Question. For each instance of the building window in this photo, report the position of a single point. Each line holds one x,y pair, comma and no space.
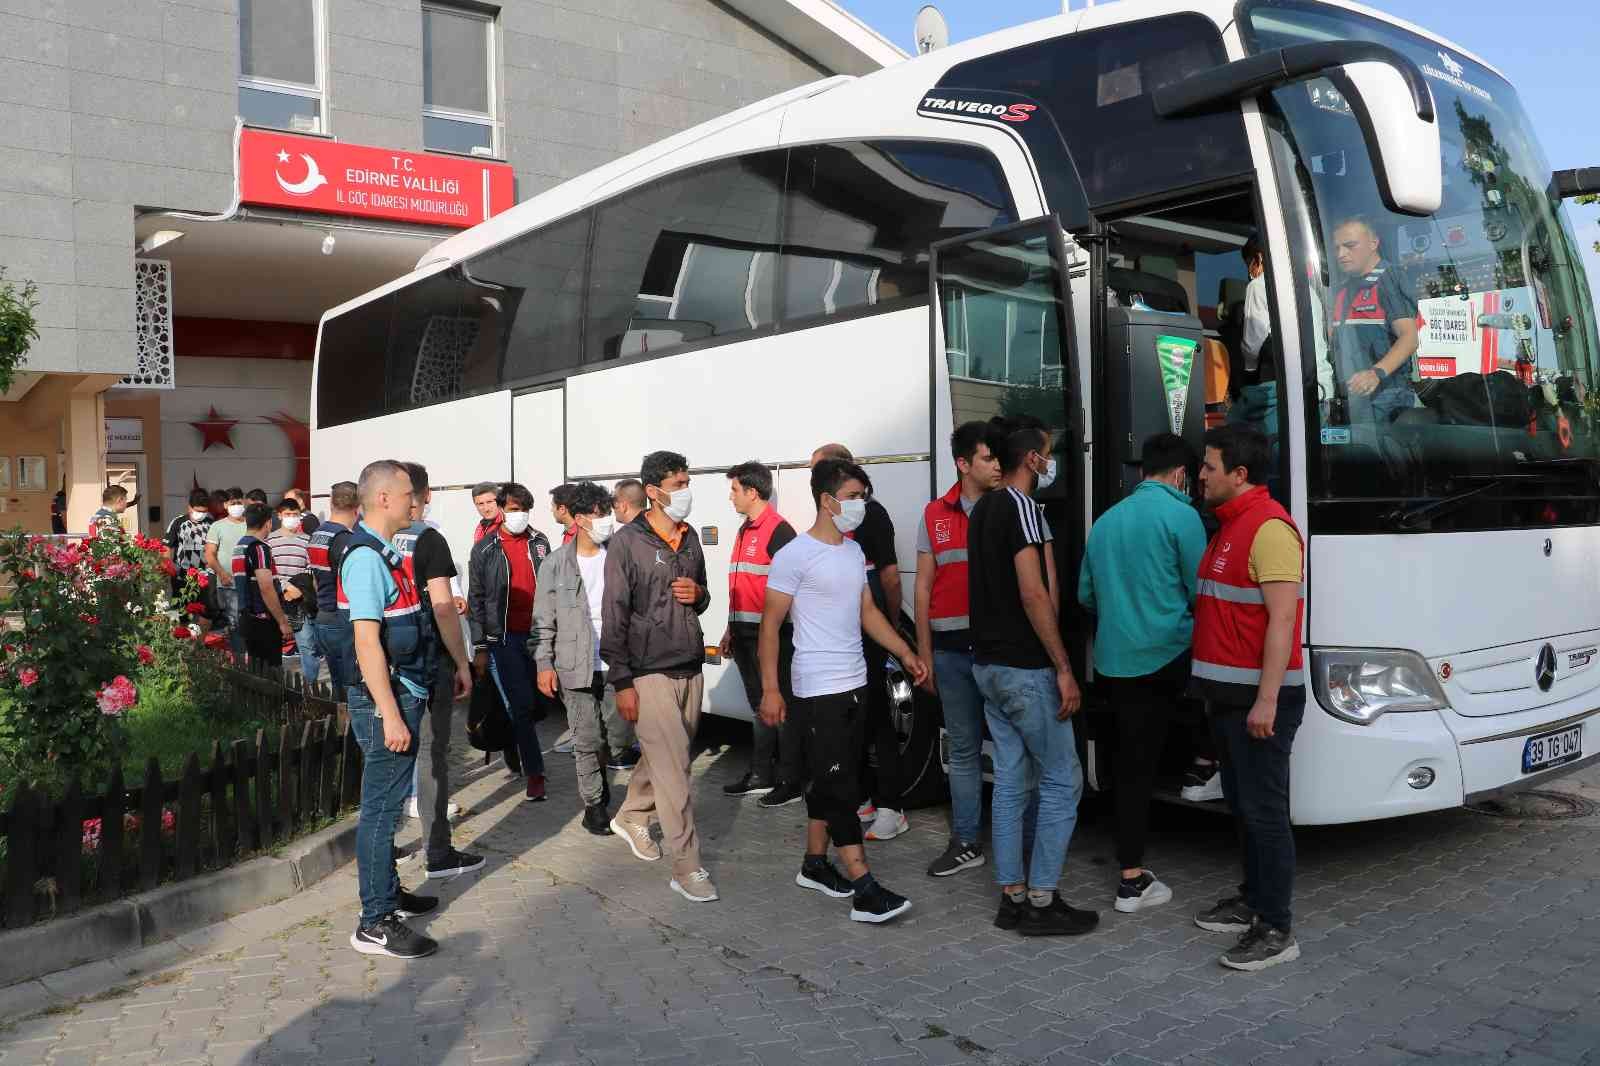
281,63
458,85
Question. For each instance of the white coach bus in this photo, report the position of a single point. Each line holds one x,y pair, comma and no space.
1049,220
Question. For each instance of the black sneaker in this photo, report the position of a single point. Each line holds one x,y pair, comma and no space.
960,855
392,937
748,785
1231,915
513,762
1143,891
626,760
597,821
782,795
1261,946
877,904
822,876
1010,914
413,906
1058,919
457,862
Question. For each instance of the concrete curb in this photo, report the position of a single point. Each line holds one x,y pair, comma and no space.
154,918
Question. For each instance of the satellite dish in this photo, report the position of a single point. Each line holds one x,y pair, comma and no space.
930,30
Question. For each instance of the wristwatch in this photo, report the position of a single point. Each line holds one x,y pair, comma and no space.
1383,375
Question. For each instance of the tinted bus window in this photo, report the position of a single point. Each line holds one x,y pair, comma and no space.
686,258
432,332
1097,84
529,295
351,363
859,219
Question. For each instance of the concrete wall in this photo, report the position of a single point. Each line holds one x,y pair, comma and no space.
109,106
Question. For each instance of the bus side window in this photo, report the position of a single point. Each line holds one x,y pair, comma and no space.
859,217
686,258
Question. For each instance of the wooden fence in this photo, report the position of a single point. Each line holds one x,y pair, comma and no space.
243,797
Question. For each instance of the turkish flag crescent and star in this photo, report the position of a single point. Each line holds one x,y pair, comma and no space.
316,174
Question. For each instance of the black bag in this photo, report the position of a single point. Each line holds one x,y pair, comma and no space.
1496,399
488,725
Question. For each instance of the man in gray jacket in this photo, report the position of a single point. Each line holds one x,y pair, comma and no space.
651,640
566,646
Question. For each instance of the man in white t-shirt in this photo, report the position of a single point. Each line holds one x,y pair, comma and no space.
819,582
567,602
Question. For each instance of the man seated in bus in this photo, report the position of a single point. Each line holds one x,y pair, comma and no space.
1374,328
655,593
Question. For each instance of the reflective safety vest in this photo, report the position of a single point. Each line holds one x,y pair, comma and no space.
946,523
1230,613
323,554
752,561
406,630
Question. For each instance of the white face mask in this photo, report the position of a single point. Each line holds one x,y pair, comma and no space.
679,505
427,509
1047,478
291,522
517,522
235,510
851,513
601,528
195,516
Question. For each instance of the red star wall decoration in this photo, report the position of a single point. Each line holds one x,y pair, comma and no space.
215,429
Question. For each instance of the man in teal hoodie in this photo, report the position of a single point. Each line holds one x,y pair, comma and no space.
1139,576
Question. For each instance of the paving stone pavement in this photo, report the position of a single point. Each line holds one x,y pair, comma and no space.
1456,938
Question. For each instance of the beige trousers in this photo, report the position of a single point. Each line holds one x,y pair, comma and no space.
660,788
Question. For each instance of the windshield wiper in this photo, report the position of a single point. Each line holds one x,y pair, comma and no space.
1528,472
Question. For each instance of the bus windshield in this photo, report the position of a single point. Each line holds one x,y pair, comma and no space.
1450,368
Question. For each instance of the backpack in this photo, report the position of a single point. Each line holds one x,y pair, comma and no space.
488,724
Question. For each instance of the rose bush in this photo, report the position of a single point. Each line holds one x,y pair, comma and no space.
96,615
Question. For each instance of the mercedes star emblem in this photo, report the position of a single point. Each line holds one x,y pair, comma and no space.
1544,671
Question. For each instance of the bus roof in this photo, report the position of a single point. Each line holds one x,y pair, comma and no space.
842,94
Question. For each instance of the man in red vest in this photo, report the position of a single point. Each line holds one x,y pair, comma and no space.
944,636
1247,666
764,531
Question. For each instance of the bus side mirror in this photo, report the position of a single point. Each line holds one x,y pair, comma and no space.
1386,92
1584,181
1404,146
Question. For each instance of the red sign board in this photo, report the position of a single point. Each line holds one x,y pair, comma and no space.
1436,366
314,174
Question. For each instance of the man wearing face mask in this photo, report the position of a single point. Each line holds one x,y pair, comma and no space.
502,580
291,567
223,536
881,807
186,537
1139,577
567,614
820,579
651,640
1029,692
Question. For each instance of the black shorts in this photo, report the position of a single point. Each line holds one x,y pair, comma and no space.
835,726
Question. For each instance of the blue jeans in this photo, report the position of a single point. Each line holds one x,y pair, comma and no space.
1030,744
385,777
336,644
305,644
963,722
230,607
513,672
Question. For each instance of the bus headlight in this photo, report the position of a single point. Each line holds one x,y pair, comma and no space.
1359,685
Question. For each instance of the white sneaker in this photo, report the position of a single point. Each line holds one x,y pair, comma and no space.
887,825
1132,898
866,812
1211,790
697,887
451,812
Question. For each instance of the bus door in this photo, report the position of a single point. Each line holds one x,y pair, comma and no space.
1002,344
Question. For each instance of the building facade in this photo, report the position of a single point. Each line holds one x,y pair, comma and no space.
191,184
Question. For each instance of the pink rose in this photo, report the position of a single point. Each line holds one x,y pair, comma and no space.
27,676
146,656
117,697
